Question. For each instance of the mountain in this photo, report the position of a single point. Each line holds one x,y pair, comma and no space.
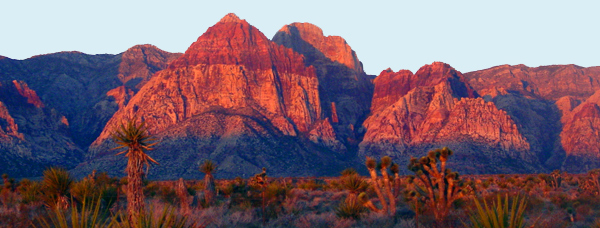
299,104
345,89
32,136
553,106
436,107
87,89
234,97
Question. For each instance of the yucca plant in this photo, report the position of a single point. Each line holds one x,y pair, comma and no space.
499,215
167,219
136,141
348,172
86,216
350,208
56,184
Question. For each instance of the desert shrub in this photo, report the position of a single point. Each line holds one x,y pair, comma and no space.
86,190
310,185
151,189
350,208
167,194
30,191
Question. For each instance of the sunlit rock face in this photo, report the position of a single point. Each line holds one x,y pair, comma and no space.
32,136
437,107
234,96
554,106
344,88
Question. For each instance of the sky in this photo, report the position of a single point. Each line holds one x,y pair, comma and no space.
468,35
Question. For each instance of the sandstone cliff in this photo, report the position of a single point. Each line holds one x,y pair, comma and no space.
546,103
436,107
233,96
545,82
344,88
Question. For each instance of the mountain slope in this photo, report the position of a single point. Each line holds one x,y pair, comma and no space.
32,136
235,97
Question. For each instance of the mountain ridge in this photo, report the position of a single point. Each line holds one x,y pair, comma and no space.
301,104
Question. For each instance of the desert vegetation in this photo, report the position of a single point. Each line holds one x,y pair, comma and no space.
426,199
434,196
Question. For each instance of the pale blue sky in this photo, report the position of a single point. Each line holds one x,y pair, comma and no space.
469,35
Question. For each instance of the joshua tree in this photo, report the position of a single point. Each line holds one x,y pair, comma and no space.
439,187
208,167
388,191
136,140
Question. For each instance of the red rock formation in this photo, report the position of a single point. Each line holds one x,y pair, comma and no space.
8,127
581,125
334,48
25,91
435,107
342,81
391,87
141,62
232,65
545,82
121,94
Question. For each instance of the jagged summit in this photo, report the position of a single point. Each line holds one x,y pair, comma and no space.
230,17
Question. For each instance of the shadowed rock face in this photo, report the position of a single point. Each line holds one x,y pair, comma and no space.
32,136
235,97
436,107
87,89
344,88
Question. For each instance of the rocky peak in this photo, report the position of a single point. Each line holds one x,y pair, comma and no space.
390,86
231,66
311,36
437,72
140,62
230,17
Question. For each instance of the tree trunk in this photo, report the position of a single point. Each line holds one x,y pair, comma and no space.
135,194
